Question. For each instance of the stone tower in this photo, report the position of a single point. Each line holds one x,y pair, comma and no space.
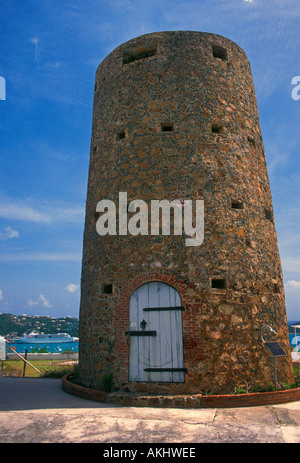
175,118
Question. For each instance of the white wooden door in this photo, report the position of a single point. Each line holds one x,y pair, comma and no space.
156,342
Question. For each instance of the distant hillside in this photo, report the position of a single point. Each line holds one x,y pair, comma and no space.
16,325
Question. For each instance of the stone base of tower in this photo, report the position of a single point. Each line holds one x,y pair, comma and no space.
222,346
182,400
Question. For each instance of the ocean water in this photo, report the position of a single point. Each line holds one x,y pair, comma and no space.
53,347
56,347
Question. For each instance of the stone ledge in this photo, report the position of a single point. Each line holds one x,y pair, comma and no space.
181,401
81,391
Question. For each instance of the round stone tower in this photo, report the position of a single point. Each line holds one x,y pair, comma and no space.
175,119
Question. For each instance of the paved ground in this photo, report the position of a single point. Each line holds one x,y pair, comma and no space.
34,410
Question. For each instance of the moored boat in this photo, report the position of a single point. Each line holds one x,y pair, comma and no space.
38,338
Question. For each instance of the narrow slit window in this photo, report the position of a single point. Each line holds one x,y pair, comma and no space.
220,52
276,289
138,53
219,283
237,204
251,141
167,127
216,128
269,215
107,288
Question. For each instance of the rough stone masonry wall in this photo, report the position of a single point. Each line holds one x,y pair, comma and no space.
201,84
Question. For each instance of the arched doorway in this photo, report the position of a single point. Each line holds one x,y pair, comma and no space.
156,341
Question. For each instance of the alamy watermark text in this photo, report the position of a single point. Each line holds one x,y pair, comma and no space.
2,88
296,90
141,224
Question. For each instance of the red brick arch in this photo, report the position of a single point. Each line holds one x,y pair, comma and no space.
193,348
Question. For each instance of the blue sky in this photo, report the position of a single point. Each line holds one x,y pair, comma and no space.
50,50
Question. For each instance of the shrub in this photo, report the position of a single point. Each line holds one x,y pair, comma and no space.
107,382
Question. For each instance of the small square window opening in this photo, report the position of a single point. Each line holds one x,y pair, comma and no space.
216,128
276,289
220,52
120,135
269,215
167,127
251,141
219,283
138,53
107,288
237,204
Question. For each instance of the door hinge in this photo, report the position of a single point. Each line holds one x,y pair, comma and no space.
166,369
140,333
152,309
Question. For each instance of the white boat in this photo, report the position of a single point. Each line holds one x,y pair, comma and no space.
36,338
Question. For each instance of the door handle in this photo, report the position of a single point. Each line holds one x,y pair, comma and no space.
143,324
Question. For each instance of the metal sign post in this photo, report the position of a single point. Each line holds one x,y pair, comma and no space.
275,350
2,352
24,360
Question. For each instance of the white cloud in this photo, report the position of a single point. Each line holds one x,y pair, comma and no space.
71,288
290,264
42,212
293,283
1,295
40,301
8,234
14,210
40,256
35,41
292,296
44,301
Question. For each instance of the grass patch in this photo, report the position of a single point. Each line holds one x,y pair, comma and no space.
297,370
50,369
56,369
271,387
